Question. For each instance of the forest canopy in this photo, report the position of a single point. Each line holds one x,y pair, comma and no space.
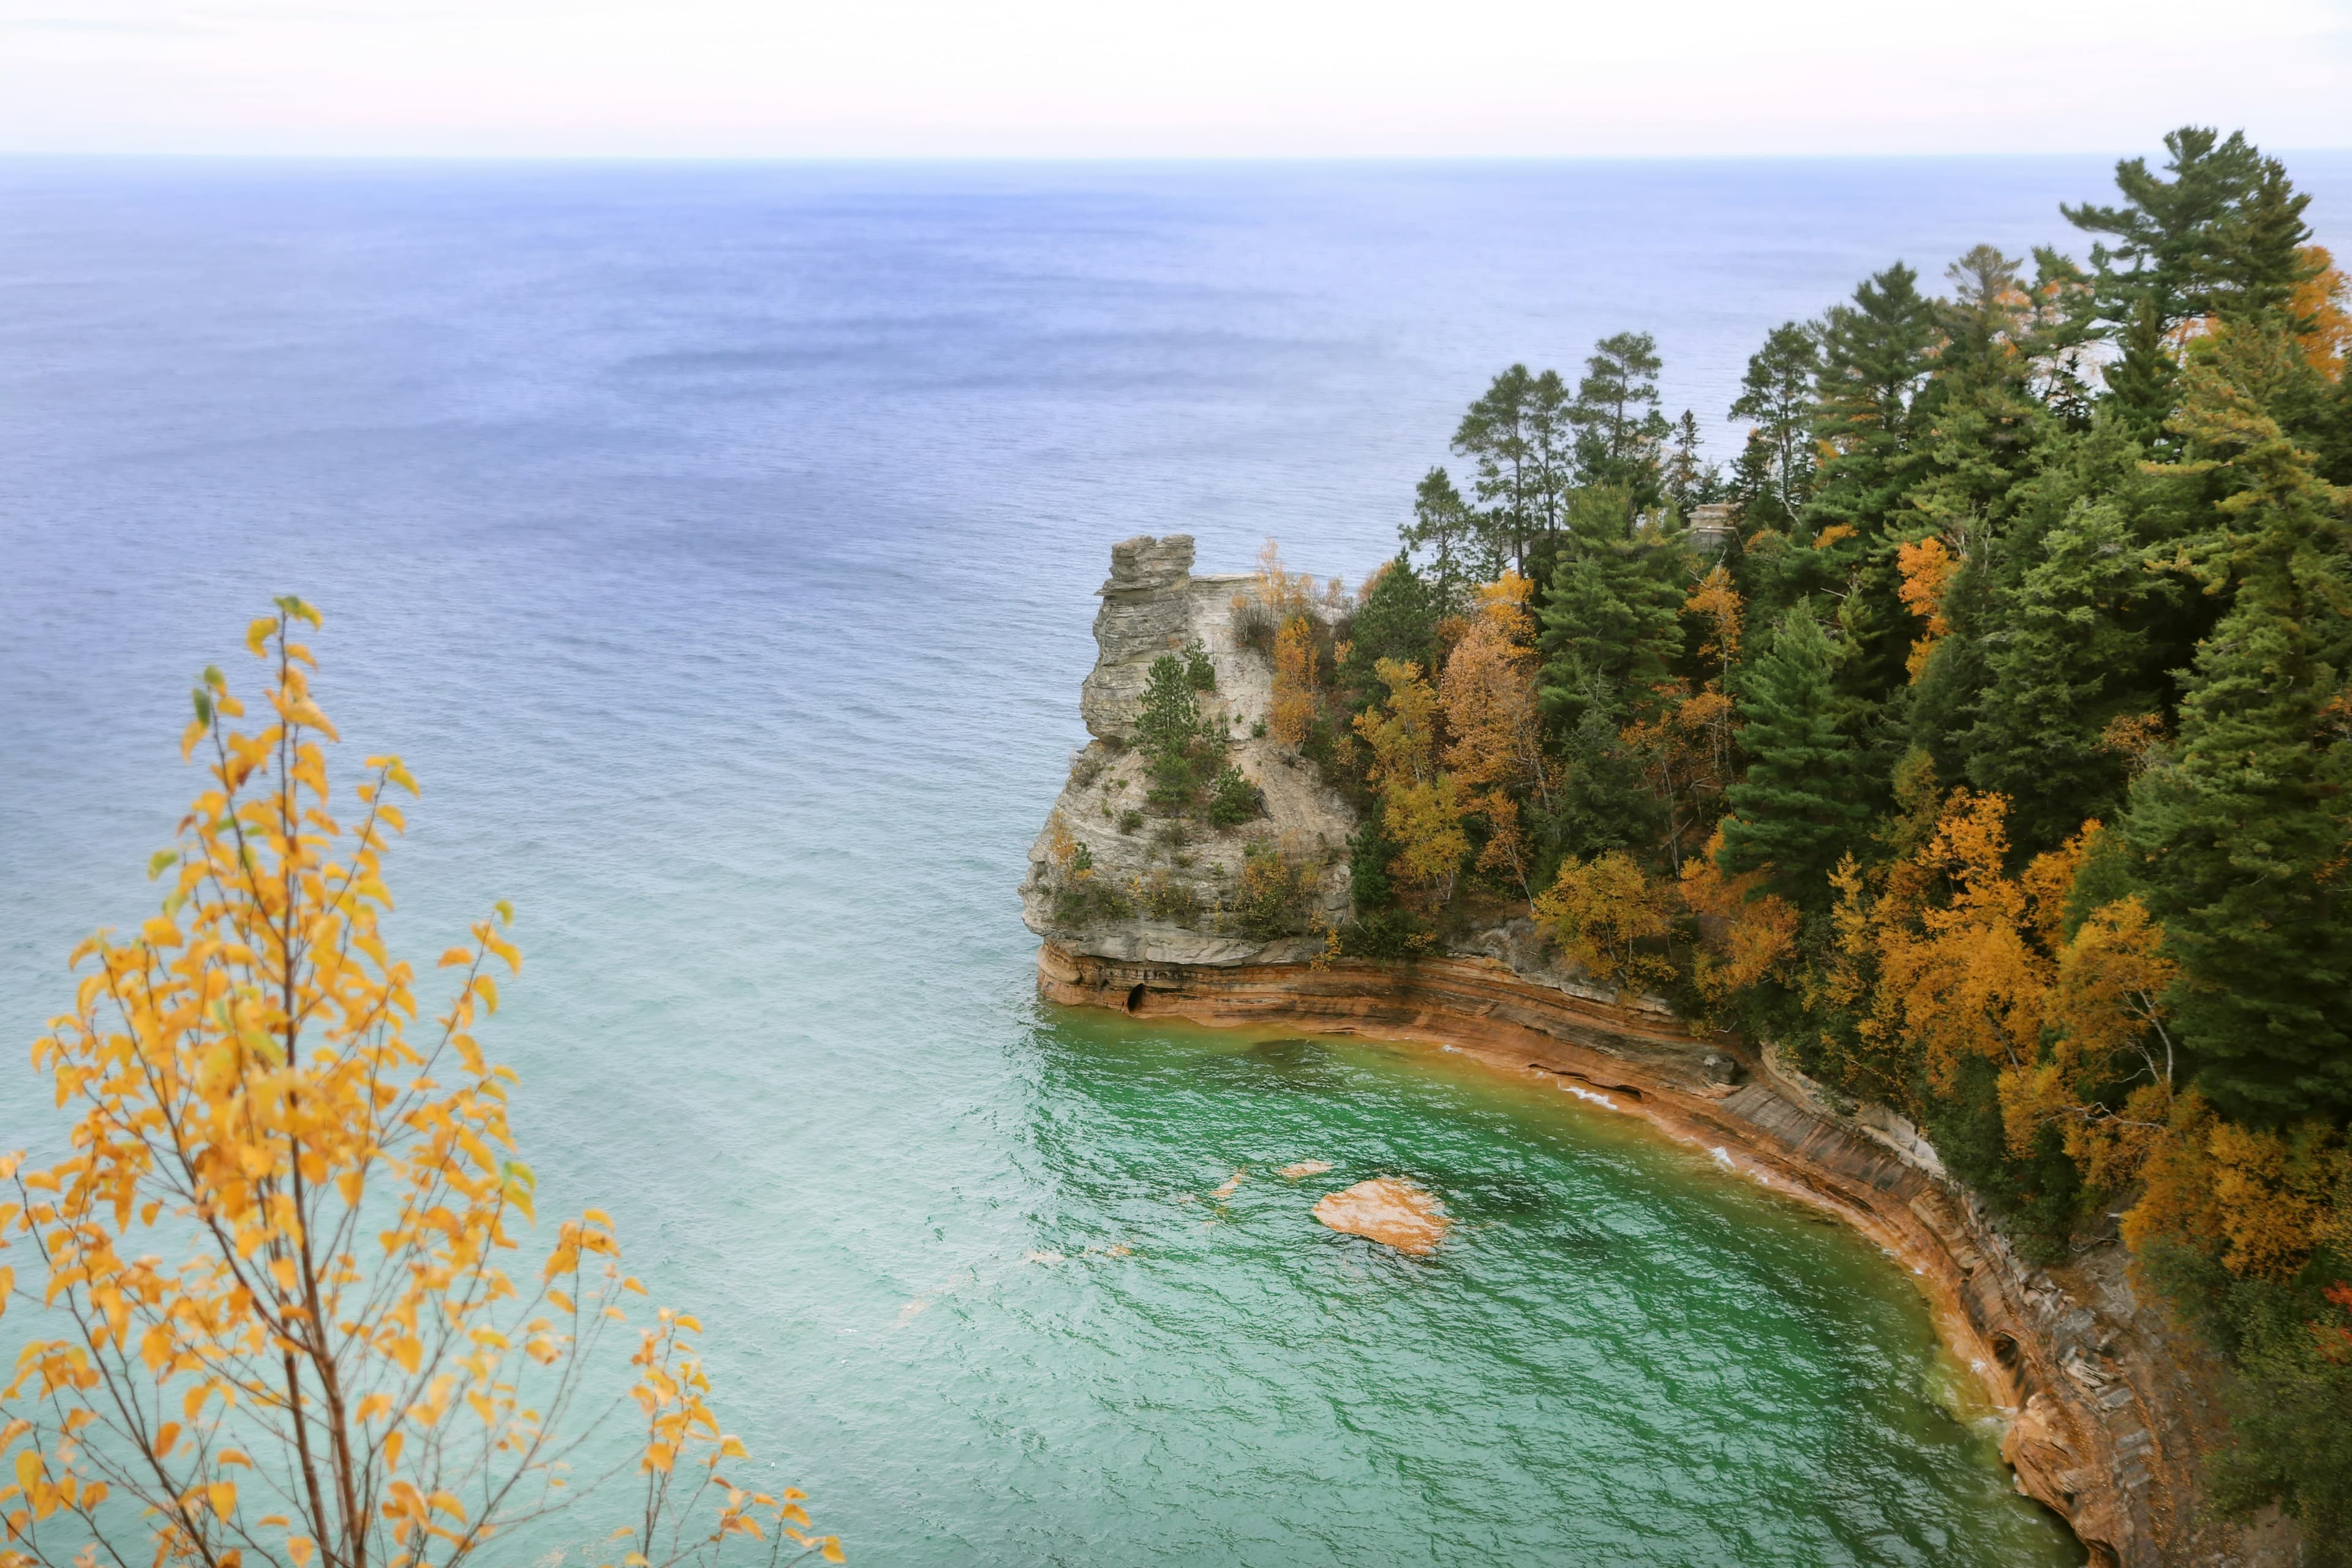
1978,737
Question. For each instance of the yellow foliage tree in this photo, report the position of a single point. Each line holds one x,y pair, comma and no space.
1745,935
2322,301
1421,805
1953,938
1716,602
274,1323
1292,716
1926,566
1496,722
1603,912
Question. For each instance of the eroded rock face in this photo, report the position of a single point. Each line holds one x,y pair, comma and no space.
1179,880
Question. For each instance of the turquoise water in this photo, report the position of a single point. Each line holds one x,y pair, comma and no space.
716,544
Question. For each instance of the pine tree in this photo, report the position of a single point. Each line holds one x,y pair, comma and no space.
1803,801
1620,432
2067,664
1443,524
1689,480
2243,827
1518,435
1611,623
1877,353
1777,396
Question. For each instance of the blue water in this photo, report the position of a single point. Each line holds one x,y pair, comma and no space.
717,543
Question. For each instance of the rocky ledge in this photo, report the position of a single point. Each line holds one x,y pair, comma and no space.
2110,1411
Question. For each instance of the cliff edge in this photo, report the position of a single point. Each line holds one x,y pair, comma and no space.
2111,1409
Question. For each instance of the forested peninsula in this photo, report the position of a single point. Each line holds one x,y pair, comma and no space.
1940,812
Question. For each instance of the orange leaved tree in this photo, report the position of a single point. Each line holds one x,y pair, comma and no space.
271,1313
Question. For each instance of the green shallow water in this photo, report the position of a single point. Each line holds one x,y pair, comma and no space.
1620,1354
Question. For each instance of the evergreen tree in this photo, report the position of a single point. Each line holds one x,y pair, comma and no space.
1803,801
1397,620
1777,396
2243,827
1443,524
2066,665
1612,621
1518,436
1876,356
1620,433
2220,237
1689,480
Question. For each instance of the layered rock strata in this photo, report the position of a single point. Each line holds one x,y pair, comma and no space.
2110,1410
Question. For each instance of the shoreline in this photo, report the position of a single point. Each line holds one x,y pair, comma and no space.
2105,1417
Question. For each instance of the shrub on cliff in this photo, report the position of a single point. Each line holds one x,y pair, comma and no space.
1274,891
1176,744
1233,800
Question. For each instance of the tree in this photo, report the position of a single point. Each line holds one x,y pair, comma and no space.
1618,430
1689,479
1169,731
1421,805
1443,524
2220,236
1517,435
1604,914
1776,395
1611,624
2243,825
283,1329
1496,750
1397,615
1292,715
1803,800
1877,353
2217,234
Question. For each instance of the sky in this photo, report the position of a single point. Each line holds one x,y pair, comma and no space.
1190,78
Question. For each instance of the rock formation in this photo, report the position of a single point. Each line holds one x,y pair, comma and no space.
1177,877
2111,1410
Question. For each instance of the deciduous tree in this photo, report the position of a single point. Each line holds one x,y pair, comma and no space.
274,1316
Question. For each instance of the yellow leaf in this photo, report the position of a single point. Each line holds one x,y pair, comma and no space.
222,1496
234,1457
688,1320
374,1406
456,957
299,1547
483,1408
258,633
392,1446
165,1437
832,1553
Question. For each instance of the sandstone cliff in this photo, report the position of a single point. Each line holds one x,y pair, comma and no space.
1176,876
2111,1409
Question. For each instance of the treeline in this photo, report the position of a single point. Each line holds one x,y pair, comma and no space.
1985,749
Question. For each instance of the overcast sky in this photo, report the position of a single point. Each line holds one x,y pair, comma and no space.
1109,78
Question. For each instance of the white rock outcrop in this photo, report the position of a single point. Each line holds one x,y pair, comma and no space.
1178,876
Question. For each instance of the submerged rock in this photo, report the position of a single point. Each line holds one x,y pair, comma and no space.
1391,1211
1306,1168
